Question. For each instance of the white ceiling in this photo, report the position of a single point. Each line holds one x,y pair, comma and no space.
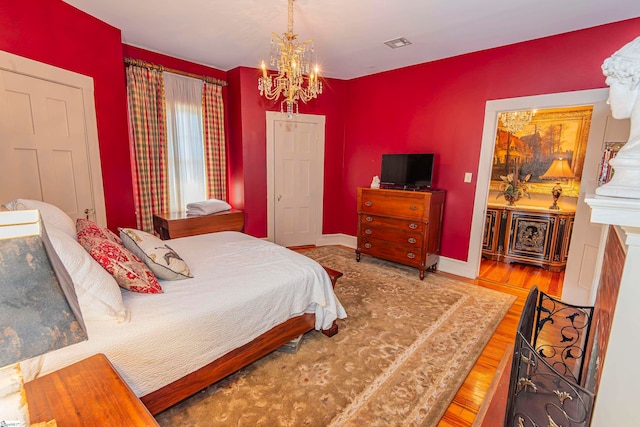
348,34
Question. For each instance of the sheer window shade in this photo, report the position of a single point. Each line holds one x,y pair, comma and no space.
185,146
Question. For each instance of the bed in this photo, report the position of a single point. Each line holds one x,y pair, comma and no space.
247,297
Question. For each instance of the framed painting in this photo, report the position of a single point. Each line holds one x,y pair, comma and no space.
528,142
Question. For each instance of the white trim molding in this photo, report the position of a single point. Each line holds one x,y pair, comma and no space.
337,239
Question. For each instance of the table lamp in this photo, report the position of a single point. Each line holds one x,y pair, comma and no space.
558,171
39,310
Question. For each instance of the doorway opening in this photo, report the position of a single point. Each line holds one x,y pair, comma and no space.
580,271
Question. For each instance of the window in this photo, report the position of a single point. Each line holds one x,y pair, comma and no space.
185,145
177,140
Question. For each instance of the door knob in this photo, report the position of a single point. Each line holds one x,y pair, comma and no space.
279,197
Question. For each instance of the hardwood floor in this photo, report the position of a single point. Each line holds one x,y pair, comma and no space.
514,279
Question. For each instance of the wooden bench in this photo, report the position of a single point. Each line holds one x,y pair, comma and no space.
334,275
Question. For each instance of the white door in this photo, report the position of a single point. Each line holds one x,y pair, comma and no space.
44,143
580,278
297,174
584,262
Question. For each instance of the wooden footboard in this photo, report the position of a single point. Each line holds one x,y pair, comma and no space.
273,339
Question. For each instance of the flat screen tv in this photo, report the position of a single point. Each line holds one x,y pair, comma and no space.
407,171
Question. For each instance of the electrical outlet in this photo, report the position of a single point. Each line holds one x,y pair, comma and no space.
467,176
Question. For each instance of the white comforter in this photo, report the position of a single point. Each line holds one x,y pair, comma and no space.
242,287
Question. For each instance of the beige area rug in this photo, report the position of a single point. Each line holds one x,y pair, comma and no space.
398,360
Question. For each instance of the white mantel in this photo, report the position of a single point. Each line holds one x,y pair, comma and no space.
617,399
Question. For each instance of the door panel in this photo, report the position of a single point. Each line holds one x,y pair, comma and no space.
297,167
583,267
44,144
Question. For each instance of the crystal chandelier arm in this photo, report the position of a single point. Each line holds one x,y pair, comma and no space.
296,77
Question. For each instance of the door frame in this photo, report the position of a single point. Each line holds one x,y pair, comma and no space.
272,117
30,68
492,110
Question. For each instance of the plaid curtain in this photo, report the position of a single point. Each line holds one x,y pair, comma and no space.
214,142
145,93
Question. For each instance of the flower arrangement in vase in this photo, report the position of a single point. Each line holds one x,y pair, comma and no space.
512,188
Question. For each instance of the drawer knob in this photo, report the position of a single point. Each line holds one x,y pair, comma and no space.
411,255
368,219
368,231
413,226
413,208
368,203
367,245
412,240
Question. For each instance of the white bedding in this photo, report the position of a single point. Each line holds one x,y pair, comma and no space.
242,287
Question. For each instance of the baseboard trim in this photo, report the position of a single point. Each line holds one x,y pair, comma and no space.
457,267
447,265
337,239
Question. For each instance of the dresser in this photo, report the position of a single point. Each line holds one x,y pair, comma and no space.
528,235
400,226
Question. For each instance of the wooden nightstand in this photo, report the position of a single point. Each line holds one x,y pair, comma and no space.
178,224
87,393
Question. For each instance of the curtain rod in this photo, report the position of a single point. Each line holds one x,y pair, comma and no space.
145,64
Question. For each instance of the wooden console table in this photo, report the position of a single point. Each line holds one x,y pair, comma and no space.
87,393
178,224
529,235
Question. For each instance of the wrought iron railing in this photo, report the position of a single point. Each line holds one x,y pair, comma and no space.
543,397
561,335
547,366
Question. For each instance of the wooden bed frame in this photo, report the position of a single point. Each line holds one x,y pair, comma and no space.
271,340
159,400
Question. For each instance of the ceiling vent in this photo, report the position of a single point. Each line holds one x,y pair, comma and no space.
396,43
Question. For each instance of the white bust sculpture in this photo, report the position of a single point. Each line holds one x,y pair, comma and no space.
623,77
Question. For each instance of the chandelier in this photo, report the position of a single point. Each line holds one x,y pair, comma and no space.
515,121
296,79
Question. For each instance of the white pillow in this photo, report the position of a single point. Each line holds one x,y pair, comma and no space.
52,216
163,261
98,293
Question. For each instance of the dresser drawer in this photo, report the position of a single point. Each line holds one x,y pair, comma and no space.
407,205
410,239
394,223
398,252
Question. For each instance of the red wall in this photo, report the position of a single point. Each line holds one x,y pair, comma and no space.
55,33
439,107
248,130
171,62
433,107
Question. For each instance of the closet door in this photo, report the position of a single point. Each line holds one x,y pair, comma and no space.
44,153
296,170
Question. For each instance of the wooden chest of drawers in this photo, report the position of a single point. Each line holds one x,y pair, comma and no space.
400,226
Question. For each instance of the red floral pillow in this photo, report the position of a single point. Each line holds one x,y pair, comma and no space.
128,270
86,227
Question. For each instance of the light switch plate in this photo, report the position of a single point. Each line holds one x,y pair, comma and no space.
467,176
